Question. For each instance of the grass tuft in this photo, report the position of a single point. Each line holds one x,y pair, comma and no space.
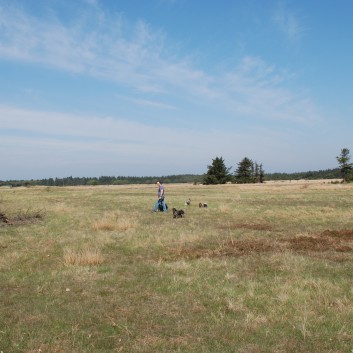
103,225
84,257
113,221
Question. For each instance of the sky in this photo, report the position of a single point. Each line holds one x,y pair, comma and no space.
93,88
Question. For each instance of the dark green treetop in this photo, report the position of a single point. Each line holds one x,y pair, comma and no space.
245,171
345,167
217,173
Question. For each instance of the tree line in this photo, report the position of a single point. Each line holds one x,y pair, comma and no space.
104,180
247,171
334,173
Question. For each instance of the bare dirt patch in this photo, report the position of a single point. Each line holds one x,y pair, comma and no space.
229,248
308,243
329,241
340,234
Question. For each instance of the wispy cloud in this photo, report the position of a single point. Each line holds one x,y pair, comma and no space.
134,55
255,89
89,139
288,21
49,144
95,44
148,103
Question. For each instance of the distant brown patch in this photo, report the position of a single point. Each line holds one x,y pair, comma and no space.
328,242
230,248
246,226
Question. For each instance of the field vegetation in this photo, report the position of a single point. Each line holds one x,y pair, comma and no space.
264,268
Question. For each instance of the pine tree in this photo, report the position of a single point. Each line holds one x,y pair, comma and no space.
256,173
261,174
345,167
217,173
245,171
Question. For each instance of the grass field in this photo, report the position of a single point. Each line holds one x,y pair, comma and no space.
265,268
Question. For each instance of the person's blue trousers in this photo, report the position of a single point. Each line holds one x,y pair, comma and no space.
158,202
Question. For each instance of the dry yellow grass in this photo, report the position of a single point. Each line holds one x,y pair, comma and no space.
83,257
111,221
103,225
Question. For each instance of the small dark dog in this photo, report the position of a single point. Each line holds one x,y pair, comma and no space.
3,218
178,213
202,204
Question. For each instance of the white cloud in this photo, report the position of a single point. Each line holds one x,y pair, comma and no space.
148,103
37,137
39,144
287,21
256,90
137,56
95,44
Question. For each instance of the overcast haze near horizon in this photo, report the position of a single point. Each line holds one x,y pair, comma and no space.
160,87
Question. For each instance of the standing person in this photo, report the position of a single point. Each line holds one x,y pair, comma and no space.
161,195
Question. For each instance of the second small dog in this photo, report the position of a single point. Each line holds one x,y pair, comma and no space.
178,213
203,204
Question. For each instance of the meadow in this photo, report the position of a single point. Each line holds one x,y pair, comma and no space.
264,268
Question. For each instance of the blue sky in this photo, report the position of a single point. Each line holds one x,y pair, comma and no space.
160,87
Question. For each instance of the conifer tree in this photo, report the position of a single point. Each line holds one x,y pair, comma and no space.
245,171
217,173
256,173
345,167
261,174
249,172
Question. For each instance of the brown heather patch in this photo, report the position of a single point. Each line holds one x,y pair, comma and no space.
22,218
229,248
327,241
308,243
341,234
